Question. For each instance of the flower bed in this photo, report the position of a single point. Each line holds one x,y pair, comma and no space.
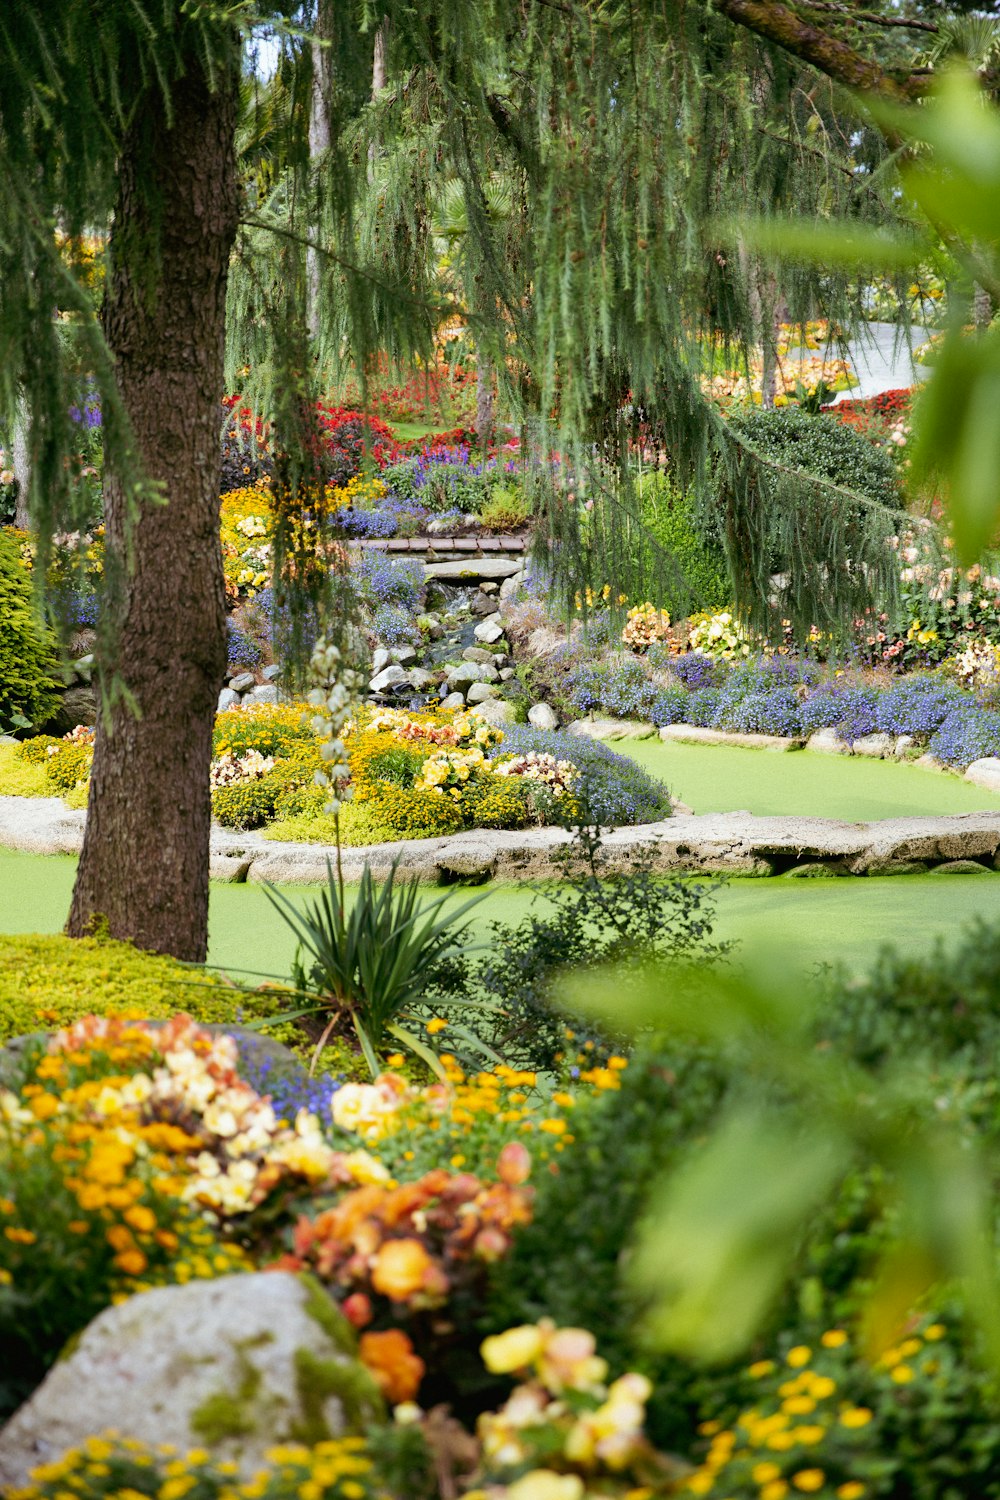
453,1224
415,775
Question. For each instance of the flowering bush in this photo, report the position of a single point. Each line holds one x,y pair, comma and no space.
644,625
246,529
564,1432
401,1254
719,635
943,607
822,1420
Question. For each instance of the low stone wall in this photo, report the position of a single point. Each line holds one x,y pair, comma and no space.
735,843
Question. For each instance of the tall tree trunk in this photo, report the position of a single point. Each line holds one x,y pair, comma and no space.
484,398
320,139
144,866
21,456
380,75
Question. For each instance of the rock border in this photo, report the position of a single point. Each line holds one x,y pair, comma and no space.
736,843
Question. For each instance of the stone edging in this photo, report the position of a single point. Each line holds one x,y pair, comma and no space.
735,843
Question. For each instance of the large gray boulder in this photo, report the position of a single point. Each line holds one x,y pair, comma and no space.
387,678
234,1365
542,716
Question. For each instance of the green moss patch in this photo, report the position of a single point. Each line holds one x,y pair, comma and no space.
48,982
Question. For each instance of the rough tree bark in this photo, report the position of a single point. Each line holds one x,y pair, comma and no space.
144,866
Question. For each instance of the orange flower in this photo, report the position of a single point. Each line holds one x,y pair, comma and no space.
514,1164
391,1359
400,1267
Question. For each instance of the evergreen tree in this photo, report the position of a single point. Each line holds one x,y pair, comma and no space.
623,130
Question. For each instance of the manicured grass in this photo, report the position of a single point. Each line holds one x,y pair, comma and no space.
806,922
721,778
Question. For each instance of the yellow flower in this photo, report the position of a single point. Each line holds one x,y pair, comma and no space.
776,1490
436,1024
855,1416
935,1331
763,1473
761,1368
799,1356
902,1374
516,1349
809,1480
545,1484
834,1338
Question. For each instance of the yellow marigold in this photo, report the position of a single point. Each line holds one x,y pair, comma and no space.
761,1368
855,1416
852,1490
799,1356
834,1338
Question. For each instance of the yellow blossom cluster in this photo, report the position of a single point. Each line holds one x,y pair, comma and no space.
120,1467
808,1433
645,624
564,1412
362,492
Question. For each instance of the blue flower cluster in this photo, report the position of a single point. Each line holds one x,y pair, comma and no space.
364,523
394,627
289,1084
241,649
779,695
969,733
616,789
385,580
74,607
621,687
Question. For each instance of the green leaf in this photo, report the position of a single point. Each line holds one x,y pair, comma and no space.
724,1231
849,245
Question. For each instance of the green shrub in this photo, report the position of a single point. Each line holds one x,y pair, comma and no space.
48,982
28,662
507,509
566,1264
360,824
301,800
68,766
20,777
497,802
250,804
415,814
825,446
697,555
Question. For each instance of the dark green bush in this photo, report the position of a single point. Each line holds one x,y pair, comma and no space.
696,577
28,663
822,445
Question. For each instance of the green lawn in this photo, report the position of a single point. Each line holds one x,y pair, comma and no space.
804,922
721,778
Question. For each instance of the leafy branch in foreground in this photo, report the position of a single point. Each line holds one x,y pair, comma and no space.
723,1231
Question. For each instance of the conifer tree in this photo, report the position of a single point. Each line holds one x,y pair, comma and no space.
623,131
